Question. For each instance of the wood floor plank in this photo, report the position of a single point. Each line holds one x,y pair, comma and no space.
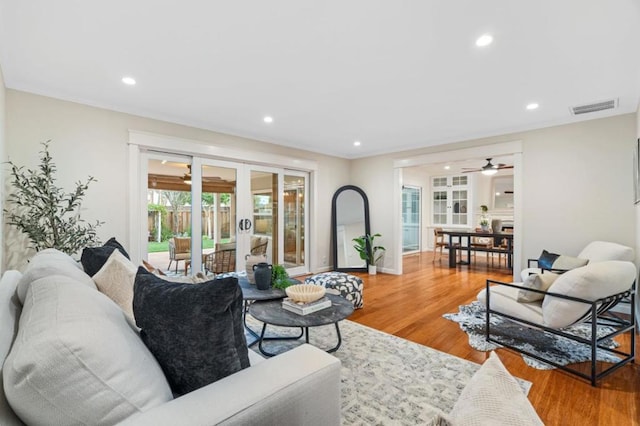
411,306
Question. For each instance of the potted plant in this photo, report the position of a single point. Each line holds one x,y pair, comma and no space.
280,277
48,215
368,251
484,218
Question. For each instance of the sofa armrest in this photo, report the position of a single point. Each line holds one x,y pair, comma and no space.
301,386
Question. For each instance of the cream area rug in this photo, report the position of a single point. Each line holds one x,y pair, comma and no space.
386,380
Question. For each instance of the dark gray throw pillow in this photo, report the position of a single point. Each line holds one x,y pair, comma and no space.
195,331
546,259
94,258
559,262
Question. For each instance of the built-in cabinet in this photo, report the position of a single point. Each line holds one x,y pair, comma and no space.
450,198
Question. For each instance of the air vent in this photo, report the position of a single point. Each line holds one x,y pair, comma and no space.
597,106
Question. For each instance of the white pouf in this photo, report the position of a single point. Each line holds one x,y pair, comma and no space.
349,286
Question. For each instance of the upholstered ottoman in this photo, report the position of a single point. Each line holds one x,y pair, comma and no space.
348,286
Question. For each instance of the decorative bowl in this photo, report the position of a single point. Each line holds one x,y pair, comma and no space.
305,293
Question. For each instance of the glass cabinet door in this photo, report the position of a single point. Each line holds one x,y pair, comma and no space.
450,200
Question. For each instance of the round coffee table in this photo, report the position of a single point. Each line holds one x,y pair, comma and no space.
250,294
271,313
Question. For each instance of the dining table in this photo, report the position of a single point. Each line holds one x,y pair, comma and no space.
462,234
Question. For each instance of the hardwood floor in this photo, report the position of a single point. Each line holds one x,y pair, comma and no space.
411,306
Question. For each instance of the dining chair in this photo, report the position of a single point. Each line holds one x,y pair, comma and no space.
440,243
482,242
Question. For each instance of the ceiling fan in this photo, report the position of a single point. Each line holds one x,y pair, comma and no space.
488,169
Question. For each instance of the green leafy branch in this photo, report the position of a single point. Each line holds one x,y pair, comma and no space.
49,216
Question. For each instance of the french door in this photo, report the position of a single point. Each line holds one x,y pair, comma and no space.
411,216
236,208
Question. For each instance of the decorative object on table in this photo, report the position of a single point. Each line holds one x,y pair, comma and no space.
251,260
484,218
299,308
49,216
262,275
280,278
472,320
346,285
305,293
368,251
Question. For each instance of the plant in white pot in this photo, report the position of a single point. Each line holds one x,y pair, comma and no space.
369,251
484,218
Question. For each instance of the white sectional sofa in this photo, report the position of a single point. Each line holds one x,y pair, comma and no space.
70,356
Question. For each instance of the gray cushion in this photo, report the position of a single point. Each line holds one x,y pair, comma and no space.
549,260
591,282
115,279
493,397
76,360
51,262
93,258
540,282
599,251
10,308
194,331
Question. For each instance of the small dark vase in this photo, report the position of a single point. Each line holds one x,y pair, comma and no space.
262,275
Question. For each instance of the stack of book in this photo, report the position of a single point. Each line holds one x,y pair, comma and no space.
305,308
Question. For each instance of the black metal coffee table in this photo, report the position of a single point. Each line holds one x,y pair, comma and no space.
250,294
270,312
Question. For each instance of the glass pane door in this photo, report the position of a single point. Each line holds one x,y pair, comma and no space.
211,217
219,207
265,213
294,220
169,215
410,219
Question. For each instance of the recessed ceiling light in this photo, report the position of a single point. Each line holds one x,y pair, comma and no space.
447,167
268,119
484,40
356,143
532,105
129,81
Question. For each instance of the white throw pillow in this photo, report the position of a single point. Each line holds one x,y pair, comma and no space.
115,279
52,262
540,282
590,282
76,360
599,251
493,397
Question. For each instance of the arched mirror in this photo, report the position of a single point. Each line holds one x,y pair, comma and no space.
349,220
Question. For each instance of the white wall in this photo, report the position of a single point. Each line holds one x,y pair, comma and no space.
93,141
577,186
2,156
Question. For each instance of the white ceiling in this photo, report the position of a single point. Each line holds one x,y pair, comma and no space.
391,74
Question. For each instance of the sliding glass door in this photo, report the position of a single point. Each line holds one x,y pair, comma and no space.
218,212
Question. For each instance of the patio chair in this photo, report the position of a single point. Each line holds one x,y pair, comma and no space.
222,260
179,249
584,294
